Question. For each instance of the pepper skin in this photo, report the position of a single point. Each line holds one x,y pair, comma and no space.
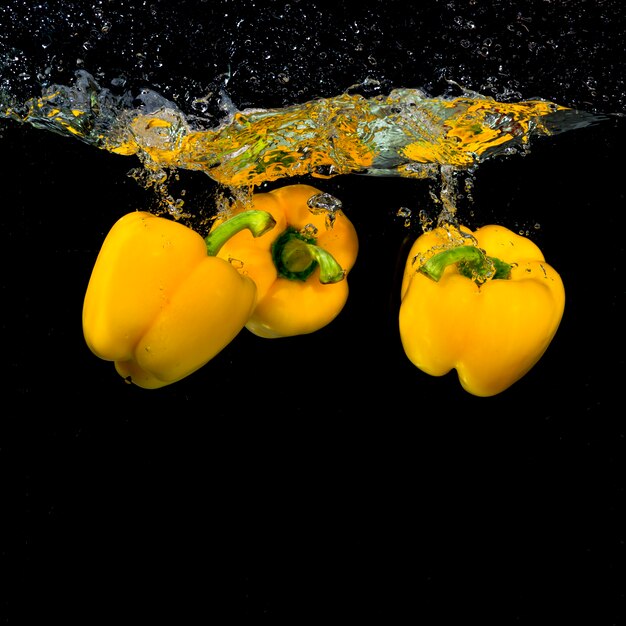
159,306
492,330
301,286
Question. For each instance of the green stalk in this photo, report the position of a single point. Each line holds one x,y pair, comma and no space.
257,222
296,256
472,263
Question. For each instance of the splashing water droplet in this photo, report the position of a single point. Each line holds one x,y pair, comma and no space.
425,220
448,194
325,203
405,213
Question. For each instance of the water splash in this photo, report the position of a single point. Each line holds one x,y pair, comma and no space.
405,133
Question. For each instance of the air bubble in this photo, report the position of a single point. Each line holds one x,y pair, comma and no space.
321,202
325,203
405,213
310,231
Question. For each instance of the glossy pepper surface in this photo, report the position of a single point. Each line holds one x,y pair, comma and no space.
484,303
158,305
300,267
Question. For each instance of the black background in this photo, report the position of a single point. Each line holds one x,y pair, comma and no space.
319,477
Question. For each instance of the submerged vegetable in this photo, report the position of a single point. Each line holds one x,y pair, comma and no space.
158,305
300,267
485,303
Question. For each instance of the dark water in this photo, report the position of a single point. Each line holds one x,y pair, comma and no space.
321,476
275,53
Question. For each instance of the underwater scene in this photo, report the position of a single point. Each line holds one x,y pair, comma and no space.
301,316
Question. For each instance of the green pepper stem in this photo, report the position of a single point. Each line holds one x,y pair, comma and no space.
330,270
296,257
472,263
257,222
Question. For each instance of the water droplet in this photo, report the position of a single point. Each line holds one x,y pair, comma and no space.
405,213
309,231
321,202
236,263
325,203
426,221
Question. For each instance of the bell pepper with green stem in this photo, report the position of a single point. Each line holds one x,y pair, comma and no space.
159,303
300,267
484,303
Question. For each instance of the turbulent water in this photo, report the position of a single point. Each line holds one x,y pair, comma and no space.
289,89
405,133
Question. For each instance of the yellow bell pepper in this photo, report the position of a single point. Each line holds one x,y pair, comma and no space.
159,303
484,303
300,267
